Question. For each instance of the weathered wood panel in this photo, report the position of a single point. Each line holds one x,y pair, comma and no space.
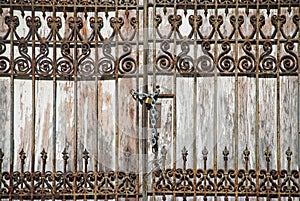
126,123
106,124
44,122
87,137
205,119
5,121
267,121
184,117
246,119
65,123
288,118
225,106
23,122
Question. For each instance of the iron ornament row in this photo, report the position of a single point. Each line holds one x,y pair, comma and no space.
90,5
225,60
134,2
227,181
63,183
257,54
184,181
85,66
277,23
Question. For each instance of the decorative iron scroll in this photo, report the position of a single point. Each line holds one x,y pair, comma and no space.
110,48
182,181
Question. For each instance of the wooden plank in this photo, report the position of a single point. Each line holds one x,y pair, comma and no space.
43,127
225,120
246,120
65,122
22,122
205,126
288,119
86,121
106,124
184,118
267,121
127,125
5,121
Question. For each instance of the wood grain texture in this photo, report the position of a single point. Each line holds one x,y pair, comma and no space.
205,119
184,118
22,122
44,122
267,121
106,124
86,121
246,119
127,126
288,118
65,122
225,119
5,121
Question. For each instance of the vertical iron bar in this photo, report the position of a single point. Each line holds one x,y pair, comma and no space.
33,63
75,65
175,97
54,140
96,157
96,93
137,123
144,109
278,100
117,128
54,93
195,103
236,101
12,100
257,102
215,121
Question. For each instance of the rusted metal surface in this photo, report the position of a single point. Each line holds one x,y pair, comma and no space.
184,181
229,77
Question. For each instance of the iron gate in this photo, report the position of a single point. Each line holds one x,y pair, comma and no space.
228,108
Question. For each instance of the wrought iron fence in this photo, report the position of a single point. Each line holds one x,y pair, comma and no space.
160,40
182,182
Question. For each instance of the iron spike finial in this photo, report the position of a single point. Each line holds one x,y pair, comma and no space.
225,153
288,153
205,153
184,154
268,154
44,155
86,158
184,157
22,155
85,154
65,154
246,153
127,152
